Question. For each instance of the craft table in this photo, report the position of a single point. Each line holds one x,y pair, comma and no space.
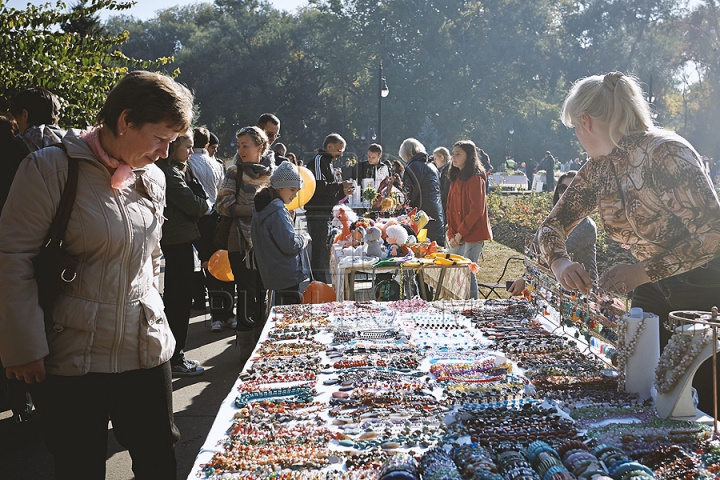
448,281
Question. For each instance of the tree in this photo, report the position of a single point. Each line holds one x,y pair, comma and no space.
79,69
84,25
430,137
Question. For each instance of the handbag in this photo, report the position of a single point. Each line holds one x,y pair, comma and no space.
224,224
54,266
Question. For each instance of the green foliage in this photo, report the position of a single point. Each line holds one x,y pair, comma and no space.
79,68
527,210
476,69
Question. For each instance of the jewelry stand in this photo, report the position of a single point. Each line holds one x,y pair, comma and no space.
678,402
642,345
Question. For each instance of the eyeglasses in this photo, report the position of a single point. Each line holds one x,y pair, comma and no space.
561,188
272,135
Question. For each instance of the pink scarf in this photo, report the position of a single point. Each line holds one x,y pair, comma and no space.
123,176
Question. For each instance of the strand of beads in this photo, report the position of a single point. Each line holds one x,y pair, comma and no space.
626,349
676,358
272,349
304,393
275,365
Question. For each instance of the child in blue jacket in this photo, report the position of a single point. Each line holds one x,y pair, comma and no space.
278,248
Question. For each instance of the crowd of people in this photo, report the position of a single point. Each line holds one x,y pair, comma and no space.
148,188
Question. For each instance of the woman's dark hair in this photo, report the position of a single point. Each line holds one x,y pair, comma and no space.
8,129
42,106
568,174
472,164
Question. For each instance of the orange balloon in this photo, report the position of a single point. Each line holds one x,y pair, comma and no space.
319,292
305,193
219,266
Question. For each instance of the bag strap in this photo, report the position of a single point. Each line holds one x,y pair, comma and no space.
67,200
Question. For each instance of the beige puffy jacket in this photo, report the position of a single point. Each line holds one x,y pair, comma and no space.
111,318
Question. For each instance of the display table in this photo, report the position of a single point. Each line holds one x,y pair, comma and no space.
338,390
450,282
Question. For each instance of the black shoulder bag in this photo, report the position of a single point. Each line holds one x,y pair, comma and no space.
54,266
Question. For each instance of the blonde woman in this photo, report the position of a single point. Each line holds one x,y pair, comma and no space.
441,159
250,171
652,193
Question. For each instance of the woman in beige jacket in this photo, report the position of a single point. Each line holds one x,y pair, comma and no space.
104,353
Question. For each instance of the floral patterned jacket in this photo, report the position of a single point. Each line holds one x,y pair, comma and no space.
653,195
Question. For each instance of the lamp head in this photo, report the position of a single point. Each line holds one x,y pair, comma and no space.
384,91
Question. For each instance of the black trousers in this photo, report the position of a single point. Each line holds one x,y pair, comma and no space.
215,285
698,289
74,414
251,293
177,296
318,225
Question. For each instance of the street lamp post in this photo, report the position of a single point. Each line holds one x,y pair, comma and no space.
512,143
383,92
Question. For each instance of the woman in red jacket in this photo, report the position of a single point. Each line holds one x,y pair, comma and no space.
467,215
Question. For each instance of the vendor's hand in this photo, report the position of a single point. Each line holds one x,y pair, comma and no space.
348,187
516,289
458,239
624,278
307,235
571,275
29,373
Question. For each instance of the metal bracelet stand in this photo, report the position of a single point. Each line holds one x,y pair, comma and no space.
678,402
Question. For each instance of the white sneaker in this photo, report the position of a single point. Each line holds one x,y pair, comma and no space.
216,326
231,322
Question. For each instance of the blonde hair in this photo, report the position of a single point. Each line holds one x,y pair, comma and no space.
258,135
615,98
443,152
175,144
409,148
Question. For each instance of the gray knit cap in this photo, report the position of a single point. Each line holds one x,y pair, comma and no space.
286,175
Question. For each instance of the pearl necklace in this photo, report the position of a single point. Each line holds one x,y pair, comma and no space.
676,358
625,350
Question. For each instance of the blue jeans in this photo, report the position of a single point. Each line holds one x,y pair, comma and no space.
698,289
471,251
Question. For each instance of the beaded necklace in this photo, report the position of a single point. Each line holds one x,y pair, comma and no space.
676,358
625,349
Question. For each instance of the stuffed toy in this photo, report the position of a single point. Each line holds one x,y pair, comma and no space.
358,229
373,240
396,237
342,218
416,219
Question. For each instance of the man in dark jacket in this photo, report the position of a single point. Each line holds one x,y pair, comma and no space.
270,124
375,167
318,211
